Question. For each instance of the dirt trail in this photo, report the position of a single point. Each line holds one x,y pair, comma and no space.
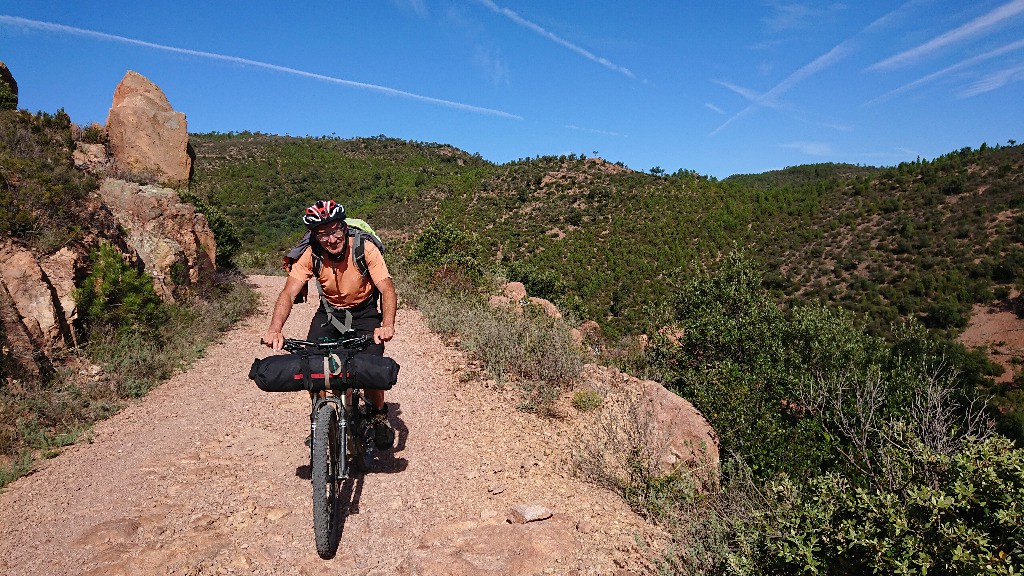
209,475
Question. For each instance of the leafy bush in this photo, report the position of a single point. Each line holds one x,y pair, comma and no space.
117,295
224,232
956,514
40,191
8,99
453,255
801,392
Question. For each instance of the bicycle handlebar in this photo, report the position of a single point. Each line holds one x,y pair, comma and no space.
350,341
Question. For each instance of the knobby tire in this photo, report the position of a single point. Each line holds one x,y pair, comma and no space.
325,485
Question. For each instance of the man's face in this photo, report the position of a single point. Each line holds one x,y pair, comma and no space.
331,237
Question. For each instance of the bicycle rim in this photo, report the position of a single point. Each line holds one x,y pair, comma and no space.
325,485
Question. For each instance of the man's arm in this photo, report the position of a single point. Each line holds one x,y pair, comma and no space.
388,308
282,308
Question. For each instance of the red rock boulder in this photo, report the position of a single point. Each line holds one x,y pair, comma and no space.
146,135
174,241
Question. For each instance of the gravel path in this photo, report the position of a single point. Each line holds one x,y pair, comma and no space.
209,475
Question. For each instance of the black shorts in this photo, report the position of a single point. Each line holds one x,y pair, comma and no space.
365,317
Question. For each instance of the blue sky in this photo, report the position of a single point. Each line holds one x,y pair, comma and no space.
717,87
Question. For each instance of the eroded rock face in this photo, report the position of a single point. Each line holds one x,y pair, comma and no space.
18,346
8,89
173,240
664,426
681,434
62,270
32,297
146,135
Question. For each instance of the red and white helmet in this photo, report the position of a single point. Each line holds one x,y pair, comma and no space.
323,212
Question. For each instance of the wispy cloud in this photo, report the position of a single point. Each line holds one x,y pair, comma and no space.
1018,45
595,131
994,81
826,60
810,148
515,17
796,16
714,108
62,29
495,69
417,6
968,30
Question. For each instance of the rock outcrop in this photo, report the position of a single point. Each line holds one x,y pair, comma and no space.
146,135
514,295
173,240
33,298
8,89
642,416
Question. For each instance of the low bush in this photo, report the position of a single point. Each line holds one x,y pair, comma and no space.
117,295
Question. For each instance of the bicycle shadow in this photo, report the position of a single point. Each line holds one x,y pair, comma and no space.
386,462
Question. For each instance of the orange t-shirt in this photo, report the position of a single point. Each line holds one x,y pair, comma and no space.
344,286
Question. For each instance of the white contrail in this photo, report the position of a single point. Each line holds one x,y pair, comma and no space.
994,81
770,98
959,65
51,27
972,28
556,39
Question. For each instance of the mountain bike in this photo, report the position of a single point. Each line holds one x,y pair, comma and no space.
341,441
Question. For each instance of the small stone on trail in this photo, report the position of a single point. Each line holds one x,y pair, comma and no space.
275,514
523,513
585,526
495,490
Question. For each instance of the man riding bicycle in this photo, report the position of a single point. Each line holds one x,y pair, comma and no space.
348,299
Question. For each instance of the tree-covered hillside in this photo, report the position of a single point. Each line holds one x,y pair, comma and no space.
924,239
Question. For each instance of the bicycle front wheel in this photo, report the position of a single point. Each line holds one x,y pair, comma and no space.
325,482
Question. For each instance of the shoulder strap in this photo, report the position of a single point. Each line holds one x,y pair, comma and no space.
359,252
330,310
318,258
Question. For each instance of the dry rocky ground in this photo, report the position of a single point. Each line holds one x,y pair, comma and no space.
209,475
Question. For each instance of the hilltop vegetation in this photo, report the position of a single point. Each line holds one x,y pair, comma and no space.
924,239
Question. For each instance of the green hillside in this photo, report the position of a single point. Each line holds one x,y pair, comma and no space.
924,239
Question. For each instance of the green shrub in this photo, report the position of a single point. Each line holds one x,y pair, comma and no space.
224,232
956,514
8,99
586,400
453,255
117,295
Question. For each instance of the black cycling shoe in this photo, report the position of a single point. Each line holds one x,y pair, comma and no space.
383,434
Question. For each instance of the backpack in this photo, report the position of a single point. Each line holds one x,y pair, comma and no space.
358,233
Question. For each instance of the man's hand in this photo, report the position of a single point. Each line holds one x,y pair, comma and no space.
383,334
274,340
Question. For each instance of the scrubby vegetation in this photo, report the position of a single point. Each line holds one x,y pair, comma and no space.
925,240
128,339
845,453
444,277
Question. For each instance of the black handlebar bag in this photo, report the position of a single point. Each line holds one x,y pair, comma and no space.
317,371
